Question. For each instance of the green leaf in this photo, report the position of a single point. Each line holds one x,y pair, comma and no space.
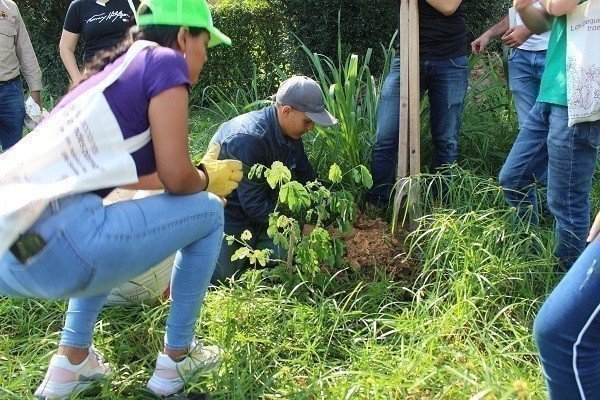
365,177
257,170
282,221
246,235
277,174
353,68
294,195
356,175
240,254
262,256
335,174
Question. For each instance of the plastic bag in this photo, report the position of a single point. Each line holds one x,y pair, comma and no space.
34,114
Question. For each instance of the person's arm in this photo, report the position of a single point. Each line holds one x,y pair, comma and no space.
67,45
304,171
595,229
561,7
36,95
446,7
536,19
255,195
478,45
146,182
28,61
168,115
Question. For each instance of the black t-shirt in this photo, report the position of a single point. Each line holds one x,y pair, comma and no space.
441,37
102,26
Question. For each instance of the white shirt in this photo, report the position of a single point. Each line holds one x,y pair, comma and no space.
535,42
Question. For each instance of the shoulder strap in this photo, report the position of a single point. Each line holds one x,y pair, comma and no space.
132,9
137,47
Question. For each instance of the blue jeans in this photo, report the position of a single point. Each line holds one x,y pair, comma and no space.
546,145
93,248
446,83
12,112
260,240
567,331
525,69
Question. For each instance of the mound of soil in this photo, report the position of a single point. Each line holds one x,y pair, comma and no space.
372,248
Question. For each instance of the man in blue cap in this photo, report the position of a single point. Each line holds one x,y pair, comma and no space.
271,134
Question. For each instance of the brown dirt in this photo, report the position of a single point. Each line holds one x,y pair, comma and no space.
371,248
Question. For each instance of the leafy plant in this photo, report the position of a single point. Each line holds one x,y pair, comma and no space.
299,205
352,95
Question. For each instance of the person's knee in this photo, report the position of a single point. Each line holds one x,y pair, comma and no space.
448,144
555,204
215,202
446,151
540,331
545,330
386,140
386,135
213,205
504,179
206,214
507,179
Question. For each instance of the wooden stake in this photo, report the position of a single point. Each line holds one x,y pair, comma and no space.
409,141
403,144
414,109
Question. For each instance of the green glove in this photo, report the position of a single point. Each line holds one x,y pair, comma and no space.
222,176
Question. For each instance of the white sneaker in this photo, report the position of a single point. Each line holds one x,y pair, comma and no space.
62,377
169,376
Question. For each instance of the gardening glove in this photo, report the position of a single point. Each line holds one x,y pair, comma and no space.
595,229
222,176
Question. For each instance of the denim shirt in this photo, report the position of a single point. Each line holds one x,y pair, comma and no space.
256,138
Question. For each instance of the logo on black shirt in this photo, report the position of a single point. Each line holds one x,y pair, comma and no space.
110,17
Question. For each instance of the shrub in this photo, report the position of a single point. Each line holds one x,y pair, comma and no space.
256,29
352,95
263,37
44,21
365,24
259,38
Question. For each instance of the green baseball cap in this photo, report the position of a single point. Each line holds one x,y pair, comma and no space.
189,13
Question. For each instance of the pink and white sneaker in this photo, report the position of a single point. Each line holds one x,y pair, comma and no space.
169,376
63,378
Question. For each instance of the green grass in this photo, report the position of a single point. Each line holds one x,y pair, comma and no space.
460,330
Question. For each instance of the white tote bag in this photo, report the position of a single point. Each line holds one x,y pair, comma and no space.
78,149
583,63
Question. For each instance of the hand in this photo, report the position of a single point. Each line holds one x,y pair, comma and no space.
521,5
595,229
35,95
516,36
222,176
478,45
